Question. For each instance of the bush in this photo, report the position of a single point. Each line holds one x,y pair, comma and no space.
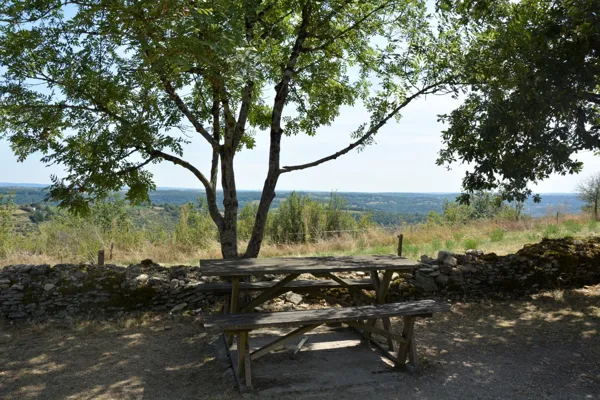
471,243
497,235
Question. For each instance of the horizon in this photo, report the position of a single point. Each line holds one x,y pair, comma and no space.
43,185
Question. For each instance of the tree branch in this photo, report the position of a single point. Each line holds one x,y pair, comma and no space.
170,90
211,195
216,114
364,137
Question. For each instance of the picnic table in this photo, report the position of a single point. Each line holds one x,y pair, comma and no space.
362,318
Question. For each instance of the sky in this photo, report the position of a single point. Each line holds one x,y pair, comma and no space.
402,159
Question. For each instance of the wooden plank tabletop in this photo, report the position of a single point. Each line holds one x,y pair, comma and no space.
251,321
300,265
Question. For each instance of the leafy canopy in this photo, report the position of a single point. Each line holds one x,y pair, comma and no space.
533,73
107,87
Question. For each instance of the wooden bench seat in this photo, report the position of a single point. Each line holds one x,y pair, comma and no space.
297,285
307,320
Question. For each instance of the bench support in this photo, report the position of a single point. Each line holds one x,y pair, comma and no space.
255,355
270,293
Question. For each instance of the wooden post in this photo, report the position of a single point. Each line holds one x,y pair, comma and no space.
400,239
100,257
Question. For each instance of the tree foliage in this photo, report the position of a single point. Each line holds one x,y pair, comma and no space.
532,74
107,87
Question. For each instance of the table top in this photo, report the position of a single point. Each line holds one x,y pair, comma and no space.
301,265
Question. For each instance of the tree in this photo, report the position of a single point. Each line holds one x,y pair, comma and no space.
532,94
107,87
589,191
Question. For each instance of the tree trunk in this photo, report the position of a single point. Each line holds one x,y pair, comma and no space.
596,209
228,229
268,194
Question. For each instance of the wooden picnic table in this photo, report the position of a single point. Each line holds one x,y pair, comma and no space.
319,267
361,318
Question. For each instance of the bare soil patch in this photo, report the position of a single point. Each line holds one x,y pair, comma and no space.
546,347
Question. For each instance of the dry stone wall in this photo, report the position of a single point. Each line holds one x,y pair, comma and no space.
552,263
38,291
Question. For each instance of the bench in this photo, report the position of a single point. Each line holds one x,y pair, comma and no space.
307,320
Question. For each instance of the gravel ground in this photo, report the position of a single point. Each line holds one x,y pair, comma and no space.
546,347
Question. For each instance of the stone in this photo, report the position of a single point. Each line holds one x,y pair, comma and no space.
443,254
445,269
269,277
4,281
441,280
293,298
174,283
360,273
395,276
48,287
425,283
466,268
474,252
426,259
451,261
143,278
19,287
434,273
178,308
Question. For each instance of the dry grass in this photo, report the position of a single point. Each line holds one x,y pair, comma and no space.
501,237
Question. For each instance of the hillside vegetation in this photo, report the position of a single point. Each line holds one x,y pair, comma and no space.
300,226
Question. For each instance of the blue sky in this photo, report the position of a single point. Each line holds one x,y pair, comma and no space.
402,160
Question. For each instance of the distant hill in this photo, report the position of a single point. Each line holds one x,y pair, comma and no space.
413,206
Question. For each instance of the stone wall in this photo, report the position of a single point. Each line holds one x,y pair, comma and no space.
552,263
41,290
66,289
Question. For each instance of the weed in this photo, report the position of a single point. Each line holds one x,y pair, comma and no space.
497,235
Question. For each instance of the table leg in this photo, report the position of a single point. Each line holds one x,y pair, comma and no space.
233,300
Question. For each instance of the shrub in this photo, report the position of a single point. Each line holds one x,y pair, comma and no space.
471,243
497,235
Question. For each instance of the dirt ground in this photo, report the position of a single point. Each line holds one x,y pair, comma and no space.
547,347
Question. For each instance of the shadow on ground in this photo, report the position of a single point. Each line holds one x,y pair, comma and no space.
547,347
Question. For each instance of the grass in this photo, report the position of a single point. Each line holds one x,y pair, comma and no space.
501,237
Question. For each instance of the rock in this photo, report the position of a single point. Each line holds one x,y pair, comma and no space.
425,283
360,273
143,278
20,287
443,254
466,268
474,252
178,308
434,273
441,280
445,269
48,287
426,259
174,283
451,261
269,277
4,281
293,298
395,276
